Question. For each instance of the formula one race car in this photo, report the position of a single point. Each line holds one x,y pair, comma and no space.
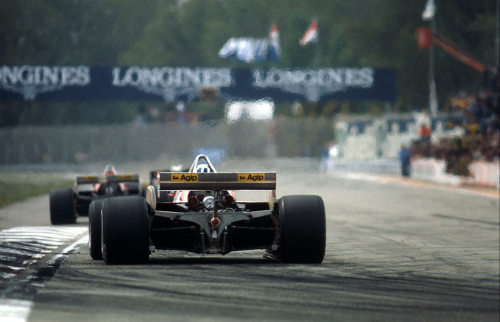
206,218
66,203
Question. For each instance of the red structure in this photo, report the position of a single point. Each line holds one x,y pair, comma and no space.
426,38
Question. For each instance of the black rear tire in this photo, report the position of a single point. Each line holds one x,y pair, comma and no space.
302,229
95,229
62,206
125,230
134,189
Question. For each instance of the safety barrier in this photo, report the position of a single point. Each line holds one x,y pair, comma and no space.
483,173
486,173
368,137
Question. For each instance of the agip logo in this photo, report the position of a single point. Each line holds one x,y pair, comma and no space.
126,177
90,178
185,177
251,177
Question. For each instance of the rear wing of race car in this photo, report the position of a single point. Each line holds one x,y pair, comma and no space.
120,178
216,181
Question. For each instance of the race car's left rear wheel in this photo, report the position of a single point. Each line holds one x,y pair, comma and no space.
95,229
62,206
125,230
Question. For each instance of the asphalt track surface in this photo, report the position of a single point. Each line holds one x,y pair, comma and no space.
397,250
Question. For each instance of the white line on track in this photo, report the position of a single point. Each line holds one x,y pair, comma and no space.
15,310
18,310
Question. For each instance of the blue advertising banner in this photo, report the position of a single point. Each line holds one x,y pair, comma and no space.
83,83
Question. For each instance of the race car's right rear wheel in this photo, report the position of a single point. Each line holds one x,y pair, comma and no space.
62,206
125,230
302,229
95,229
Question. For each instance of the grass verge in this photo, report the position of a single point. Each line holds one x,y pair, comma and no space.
15,187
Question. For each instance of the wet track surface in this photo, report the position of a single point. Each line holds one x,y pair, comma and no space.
395,251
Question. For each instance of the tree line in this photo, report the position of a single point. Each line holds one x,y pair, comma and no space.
355,33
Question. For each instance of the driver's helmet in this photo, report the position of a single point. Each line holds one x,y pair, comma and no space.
203,168
109,170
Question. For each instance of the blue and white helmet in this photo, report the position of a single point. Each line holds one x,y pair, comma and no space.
203,168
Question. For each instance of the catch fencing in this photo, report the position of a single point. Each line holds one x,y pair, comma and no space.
362,137
288,137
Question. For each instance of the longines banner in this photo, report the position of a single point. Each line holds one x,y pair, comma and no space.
169,84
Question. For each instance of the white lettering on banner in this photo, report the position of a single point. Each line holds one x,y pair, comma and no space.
314,83
33,80
171,82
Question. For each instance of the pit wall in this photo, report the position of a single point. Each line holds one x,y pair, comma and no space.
369,138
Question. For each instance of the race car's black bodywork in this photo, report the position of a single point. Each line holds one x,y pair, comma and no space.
206,218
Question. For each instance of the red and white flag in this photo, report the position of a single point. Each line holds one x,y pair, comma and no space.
274,35
311,33
274,41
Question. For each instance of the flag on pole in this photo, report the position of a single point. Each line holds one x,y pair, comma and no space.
429,11
250,50
262,49
433,99
274,44
243,49
311,34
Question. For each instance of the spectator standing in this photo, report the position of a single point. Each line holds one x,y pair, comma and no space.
328,154
404,156
425,133
142,117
